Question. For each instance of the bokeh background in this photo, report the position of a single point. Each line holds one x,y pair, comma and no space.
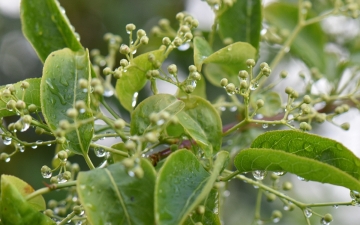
92,19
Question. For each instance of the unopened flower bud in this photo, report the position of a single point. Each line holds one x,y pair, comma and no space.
72,113
107,71
345,126
224,82
243,74
250,63
259,103
124,49
130,27
172,69
144,40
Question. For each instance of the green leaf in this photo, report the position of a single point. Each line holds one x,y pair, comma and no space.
59,91
15,210
307,168
242,22
32,96
183,184
309,43
153,104
25,189
299,152
228,62
211,215
111,196
201,121
272,103
46,27
134,79
202,50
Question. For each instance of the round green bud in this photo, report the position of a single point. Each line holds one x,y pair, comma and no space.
188,19
320,117
117,74
307,4
177,41
128,163
345,107
283,74
144,40
152,137
305,126
24,84
139,172
72,113
243,84
119,124
166,41
307,99
20,104
6,93
11,126
62,155
195,76
130,145
184,28
274,176
189,89
224,82
18,125
99,89
276,214
164,115
32,108
156,30
60,140
124,49
67,175
95,82
77,210
130,27
54,180
141,33
156,64
52,204
188,36
148,74
263,65
124,62
11,88
11,105
180,16
194,23
328,218
108,36
27,119
107,71
266,71
61,211
270,197
287,186
345,126
260,103
305,109
230,87
289,90
172,69
154,117
83,83
39,130
250,63
164,23
75,167
294,94
64,124
339,110
243,74
192,68
49,213
200,209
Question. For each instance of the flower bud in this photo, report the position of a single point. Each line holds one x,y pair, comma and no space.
107,71
263,65
130,27
289,90
200,209
124,62
128,163
243,74
259,103
345,126
24,85
32,108
287,186
139,172
164,23
283,74
172,69
77,210
20,104
124,49
72,113
180,16
83,83
224,82
141,33
177,41
192,68
144,40
327,218
230,88
270,197
250,63
11,105
62,155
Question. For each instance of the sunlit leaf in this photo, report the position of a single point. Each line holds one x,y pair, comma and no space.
60,90
111,196
32,96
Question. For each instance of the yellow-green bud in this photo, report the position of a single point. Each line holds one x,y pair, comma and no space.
328,218
83,83
188,36
276,214
164,23
177,41
124,62
54,180
119,124
172,69
200,209
49,213
27,119
195,76
294,94
130,27
259,103
166,41
64,124
345,126
11,105
180,16
130,145
189,89
117,74
77,210
24,84
72,113
32,108
60,140
95,82
307,99
128,163
289,90
192,68
263,65
230,87
287,186
20,104
144,40
250,63
266,71
283,74
67,175
62,155
124,49
107,71
141,33
99,89
270,197
224,82
305,126
18,125
243,74
139,172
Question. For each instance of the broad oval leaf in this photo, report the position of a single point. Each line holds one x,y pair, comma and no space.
202,50
25,189
242,22
46,27
134,79
309,43
183,184
153,104
307,168
59,90
272,103
111,196
15,210
311,146
32,96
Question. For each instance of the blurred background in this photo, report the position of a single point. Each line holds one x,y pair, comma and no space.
92,19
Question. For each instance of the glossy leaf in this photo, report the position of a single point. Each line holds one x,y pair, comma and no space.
202,50
310,42
153,104
15,210
46,26
59,92
32,96
183,184
111,196
242,22
211,215
201,121
272,103
311,146
307,168
228,62
134,79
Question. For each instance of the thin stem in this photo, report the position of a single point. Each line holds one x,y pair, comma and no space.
88,161
112,150
67,218
258,205
51,187
109,109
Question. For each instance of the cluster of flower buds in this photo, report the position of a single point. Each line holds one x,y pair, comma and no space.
192,79
141,39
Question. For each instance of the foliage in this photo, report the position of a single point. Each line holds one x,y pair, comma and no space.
172,161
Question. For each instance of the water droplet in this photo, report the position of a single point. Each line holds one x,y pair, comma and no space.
308,212
77,36
46,174
85,90
279,173
25,127
48,144
254,86
222,108
62,10
82,110
80,222
335,206
226,193
21,148
203,57
99,152
134,52
108,92
7,141
216,6
7,159
184,47
128,32
324,222
39,142
61,178
265,125
354,195
34,146
53,89
131,173
134,99
160,122
286,207
233,109
301,178
259,174
259,116
286,50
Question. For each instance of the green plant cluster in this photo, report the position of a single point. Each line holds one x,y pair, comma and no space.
172,161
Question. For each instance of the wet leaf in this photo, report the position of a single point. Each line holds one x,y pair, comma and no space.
242,22
309,43
134,79
15,210
32,96
183,184
110,195
202,50
60,90
46,26
272,103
